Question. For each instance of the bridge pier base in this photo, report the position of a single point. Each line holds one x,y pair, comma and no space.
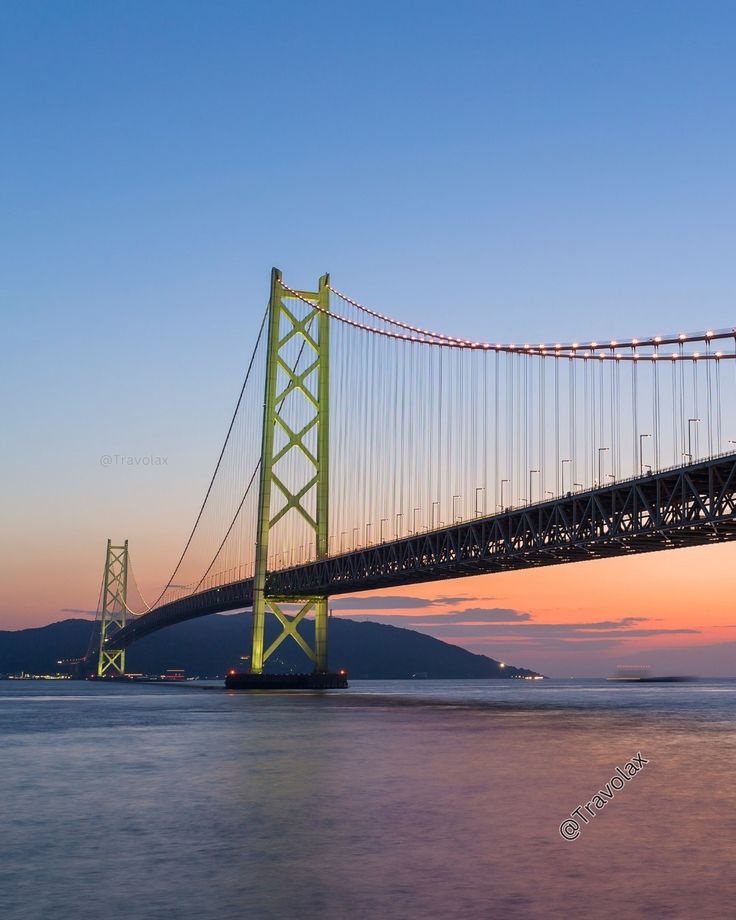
325,680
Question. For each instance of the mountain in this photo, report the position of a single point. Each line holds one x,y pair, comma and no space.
207,647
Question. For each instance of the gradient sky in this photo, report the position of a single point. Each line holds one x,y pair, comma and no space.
550,170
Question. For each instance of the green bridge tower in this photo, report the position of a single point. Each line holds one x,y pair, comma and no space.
306,318
113,611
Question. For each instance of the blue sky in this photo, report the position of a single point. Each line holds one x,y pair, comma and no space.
497,170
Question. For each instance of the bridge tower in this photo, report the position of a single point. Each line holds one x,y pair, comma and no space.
304,317
114,611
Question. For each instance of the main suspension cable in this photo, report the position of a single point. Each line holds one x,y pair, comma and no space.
217,466
575,350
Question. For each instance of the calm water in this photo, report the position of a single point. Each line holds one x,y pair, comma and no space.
391,800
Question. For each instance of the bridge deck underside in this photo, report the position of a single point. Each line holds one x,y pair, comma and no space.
687,506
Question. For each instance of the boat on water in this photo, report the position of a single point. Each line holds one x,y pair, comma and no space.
641,674
173,674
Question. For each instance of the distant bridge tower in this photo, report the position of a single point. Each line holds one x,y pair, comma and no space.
114,611
294,324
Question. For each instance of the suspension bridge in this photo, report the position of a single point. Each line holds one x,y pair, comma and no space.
365,452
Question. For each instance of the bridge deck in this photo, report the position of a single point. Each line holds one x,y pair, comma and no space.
684,506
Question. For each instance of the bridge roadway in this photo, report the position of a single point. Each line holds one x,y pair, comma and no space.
684,506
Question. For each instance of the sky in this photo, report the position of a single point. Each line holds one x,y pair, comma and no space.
551,170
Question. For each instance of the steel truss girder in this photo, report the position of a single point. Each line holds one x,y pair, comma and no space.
687,506
690,505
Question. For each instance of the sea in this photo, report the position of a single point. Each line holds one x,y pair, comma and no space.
405,799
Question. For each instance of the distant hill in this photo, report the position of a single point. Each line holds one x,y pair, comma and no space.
207,647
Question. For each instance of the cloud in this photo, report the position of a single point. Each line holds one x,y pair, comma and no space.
624,626
491,615
526,644
91,613
497,624
587,633
451,601
395,602
547,630
469,616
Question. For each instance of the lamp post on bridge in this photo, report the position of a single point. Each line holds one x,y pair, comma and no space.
600,470
641,452
690,423
562,477
383,521
455,518
503,482
434,504
477,490
399,514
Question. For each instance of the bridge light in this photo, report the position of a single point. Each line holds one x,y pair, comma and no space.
682,336
658,339
709,333
613,343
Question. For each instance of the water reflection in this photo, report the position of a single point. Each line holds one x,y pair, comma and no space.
394,800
